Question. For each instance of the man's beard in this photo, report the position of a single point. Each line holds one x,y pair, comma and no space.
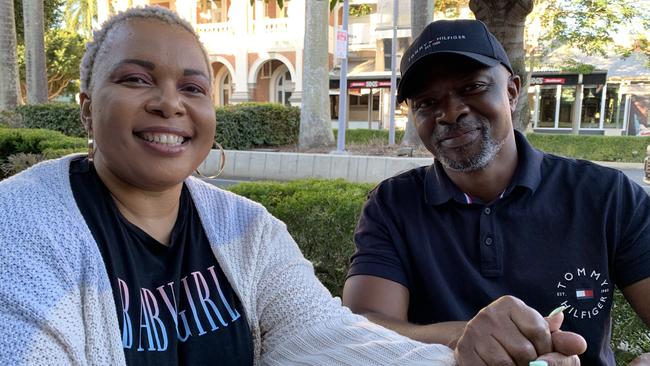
469,163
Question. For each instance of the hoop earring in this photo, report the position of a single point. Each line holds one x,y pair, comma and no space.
91,148
221,165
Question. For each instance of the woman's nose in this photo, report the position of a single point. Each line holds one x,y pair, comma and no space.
167,103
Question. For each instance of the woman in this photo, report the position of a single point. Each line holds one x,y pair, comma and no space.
120,257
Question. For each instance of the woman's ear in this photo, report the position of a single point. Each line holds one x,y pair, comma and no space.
86,111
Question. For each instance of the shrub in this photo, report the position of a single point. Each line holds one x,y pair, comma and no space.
321,216
248,125
38,141
600,148
18,162
62,117
364,136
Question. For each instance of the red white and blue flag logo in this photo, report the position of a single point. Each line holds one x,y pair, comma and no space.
584,294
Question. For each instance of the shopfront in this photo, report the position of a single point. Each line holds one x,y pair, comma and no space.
563,102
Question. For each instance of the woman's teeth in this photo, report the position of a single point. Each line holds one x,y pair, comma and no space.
164,139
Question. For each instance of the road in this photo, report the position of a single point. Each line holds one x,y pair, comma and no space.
635,174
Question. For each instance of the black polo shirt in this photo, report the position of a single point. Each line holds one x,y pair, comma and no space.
565,232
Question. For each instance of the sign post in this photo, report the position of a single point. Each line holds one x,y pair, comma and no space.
342,53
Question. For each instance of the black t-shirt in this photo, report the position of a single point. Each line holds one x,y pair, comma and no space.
565,232
174,303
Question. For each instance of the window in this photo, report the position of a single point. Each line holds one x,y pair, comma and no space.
283,87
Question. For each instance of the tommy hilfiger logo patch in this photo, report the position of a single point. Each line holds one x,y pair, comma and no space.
585,293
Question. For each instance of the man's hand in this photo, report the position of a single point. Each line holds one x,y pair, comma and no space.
508,332
643,360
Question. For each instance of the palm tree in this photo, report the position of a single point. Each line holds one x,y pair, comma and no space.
421,15
36,74
9,89
315,125
78,16
506,20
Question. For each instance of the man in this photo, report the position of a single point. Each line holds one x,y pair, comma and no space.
492,217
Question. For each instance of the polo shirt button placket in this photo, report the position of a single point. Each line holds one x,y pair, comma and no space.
487,211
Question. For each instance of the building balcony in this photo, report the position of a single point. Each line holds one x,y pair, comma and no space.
217,37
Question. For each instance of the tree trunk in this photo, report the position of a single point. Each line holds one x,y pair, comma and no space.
9,89
315,122
36,75
421,15
506,20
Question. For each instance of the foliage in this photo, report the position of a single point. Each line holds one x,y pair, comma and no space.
588,25
281,3
363,136
35,144
59,117
248,125
63,53
599,148
630,337
577,67
320,215
360,10
18,162
79,15
51,13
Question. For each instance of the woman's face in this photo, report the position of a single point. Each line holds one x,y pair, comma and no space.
152,115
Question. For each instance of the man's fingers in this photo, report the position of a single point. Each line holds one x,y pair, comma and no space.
533,326
558,359
491,352
568,343
555,321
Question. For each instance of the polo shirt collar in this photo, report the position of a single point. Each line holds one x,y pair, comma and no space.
440,189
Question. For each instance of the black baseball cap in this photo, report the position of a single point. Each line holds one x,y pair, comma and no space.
465,37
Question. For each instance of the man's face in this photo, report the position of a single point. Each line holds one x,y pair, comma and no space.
463,111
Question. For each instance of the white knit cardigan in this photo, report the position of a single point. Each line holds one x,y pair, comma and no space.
57,308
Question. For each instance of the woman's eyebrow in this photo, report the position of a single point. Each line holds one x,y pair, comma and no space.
190,72
145,64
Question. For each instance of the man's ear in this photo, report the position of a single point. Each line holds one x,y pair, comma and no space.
86,111
514,86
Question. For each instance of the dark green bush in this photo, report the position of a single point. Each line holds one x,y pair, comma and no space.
364,136
248,125
62,117
38,141
321,216
600,148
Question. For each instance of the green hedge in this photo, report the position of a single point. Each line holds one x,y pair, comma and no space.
321,216
363,136
599,148
62,117
248,125
240,126
50,144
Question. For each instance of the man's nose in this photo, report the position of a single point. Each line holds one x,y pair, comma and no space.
451,109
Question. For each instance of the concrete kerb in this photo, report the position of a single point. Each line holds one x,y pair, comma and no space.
262,165
289,166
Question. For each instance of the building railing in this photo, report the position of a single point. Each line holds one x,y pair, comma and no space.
216,29
277,27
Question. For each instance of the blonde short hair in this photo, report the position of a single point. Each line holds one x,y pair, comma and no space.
94,48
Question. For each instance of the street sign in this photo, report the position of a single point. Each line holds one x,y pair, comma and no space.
342,44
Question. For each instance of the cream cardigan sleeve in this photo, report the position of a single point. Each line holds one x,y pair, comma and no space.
302,324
